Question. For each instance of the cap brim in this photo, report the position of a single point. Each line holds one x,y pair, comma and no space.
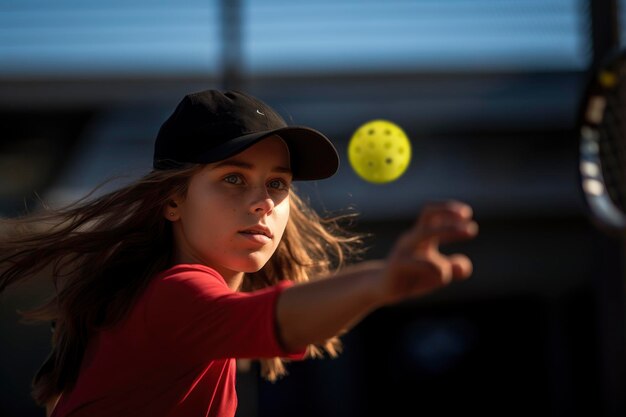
313,156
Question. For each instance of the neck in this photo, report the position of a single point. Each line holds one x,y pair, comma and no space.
233,279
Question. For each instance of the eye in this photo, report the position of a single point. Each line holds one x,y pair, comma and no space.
234,179
278,184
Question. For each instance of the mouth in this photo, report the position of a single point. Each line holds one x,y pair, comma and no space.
257,230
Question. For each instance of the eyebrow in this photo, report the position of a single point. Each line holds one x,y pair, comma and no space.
247,165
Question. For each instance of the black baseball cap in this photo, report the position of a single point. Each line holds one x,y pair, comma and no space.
209,126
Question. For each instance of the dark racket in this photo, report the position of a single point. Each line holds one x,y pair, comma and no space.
602,128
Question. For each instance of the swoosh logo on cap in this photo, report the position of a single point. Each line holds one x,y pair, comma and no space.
258,112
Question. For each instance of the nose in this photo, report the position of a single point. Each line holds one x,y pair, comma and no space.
262,202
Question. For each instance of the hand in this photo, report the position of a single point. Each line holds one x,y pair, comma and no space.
415,266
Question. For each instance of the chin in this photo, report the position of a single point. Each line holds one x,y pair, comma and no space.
253,265
249,261
250,270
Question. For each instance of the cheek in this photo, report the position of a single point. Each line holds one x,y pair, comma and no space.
282,217
206,219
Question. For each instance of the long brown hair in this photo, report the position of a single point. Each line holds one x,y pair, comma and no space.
91,249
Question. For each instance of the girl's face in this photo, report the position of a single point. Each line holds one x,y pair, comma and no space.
235,210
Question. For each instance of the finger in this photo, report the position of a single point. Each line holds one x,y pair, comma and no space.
454,209
435,215
462,266
433,227
427,239
446,233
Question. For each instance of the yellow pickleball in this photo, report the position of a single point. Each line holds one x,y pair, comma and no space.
379,151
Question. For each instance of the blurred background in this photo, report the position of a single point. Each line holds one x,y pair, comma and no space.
487,91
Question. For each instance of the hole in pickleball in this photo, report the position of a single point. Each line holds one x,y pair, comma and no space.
371,132
388,161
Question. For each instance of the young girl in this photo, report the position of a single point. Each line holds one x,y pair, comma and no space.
211,257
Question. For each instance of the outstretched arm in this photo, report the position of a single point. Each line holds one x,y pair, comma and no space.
316,311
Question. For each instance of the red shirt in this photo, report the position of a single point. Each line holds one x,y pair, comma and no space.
173,355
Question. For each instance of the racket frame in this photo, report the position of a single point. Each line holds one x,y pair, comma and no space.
602,80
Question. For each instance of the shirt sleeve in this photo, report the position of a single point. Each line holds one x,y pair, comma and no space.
193,311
